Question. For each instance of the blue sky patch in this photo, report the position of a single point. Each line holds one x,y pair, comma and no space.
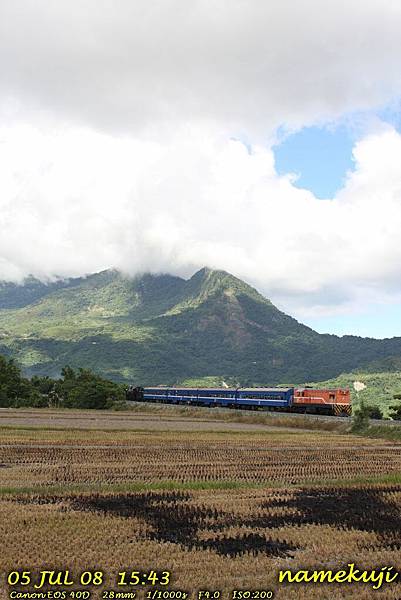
378,321
320,156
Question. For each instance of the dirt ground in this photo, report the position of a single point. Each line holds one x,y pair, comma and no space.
121,421
220,509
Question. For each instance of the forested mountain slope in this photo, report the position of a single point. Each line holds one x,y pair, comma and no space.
164,329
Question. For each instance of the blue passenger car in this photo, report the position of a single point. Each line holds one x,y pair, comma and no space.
265,397
229,397
156,394
182,395
217,397
195,396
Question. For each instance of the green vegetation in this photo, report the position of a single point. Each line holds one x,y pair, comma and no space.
360,418
378,391
15,389
55,490
75,389
84,389
395,409
213,381
133,487
166,330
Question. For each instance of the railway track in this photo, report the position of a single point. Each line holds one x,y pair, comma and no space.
273,414
249,411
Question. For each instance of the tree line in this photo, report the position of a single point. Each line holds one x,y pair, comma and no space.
79,388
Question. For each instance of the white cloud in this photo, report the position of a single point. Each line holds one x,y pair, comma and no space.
248,66
116,143
79,201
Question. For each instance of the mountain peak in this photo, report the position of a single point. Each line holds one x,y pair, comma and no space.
162,328
214,281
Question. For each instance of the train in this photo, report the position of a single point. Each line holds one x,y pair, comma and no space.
331,401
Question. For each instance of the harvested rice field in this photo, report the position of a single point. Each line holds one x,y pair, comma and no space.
220,510
107,420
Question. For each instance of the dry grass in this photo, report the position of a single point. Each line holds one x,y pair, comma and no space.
236,539
219,510
142,416
95,460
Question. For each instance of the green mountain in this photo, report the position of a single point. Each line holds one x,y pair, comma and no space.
164,329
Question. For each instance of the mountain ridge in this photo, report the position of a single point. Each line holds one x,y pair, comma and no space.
165,329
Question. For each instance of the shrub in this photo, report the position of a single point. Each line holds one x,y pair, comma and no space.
395,412
374,411
360,417
85,389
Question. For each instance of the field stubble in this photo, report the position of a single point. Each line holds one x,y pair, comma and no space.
85,499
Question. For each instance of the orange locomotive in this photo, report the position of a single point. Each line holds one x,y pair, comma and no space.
324,401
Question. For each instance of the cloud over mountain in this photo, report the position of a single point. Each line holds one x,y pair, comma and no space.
138,135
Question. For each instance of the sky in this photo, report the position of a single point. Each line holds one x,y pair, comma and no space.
319,157
262,138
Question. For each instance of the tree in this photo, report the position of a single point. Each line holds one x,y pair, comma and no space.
395,412
85,389
395,409
75,389
46,387
360,417
14,389
374,412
